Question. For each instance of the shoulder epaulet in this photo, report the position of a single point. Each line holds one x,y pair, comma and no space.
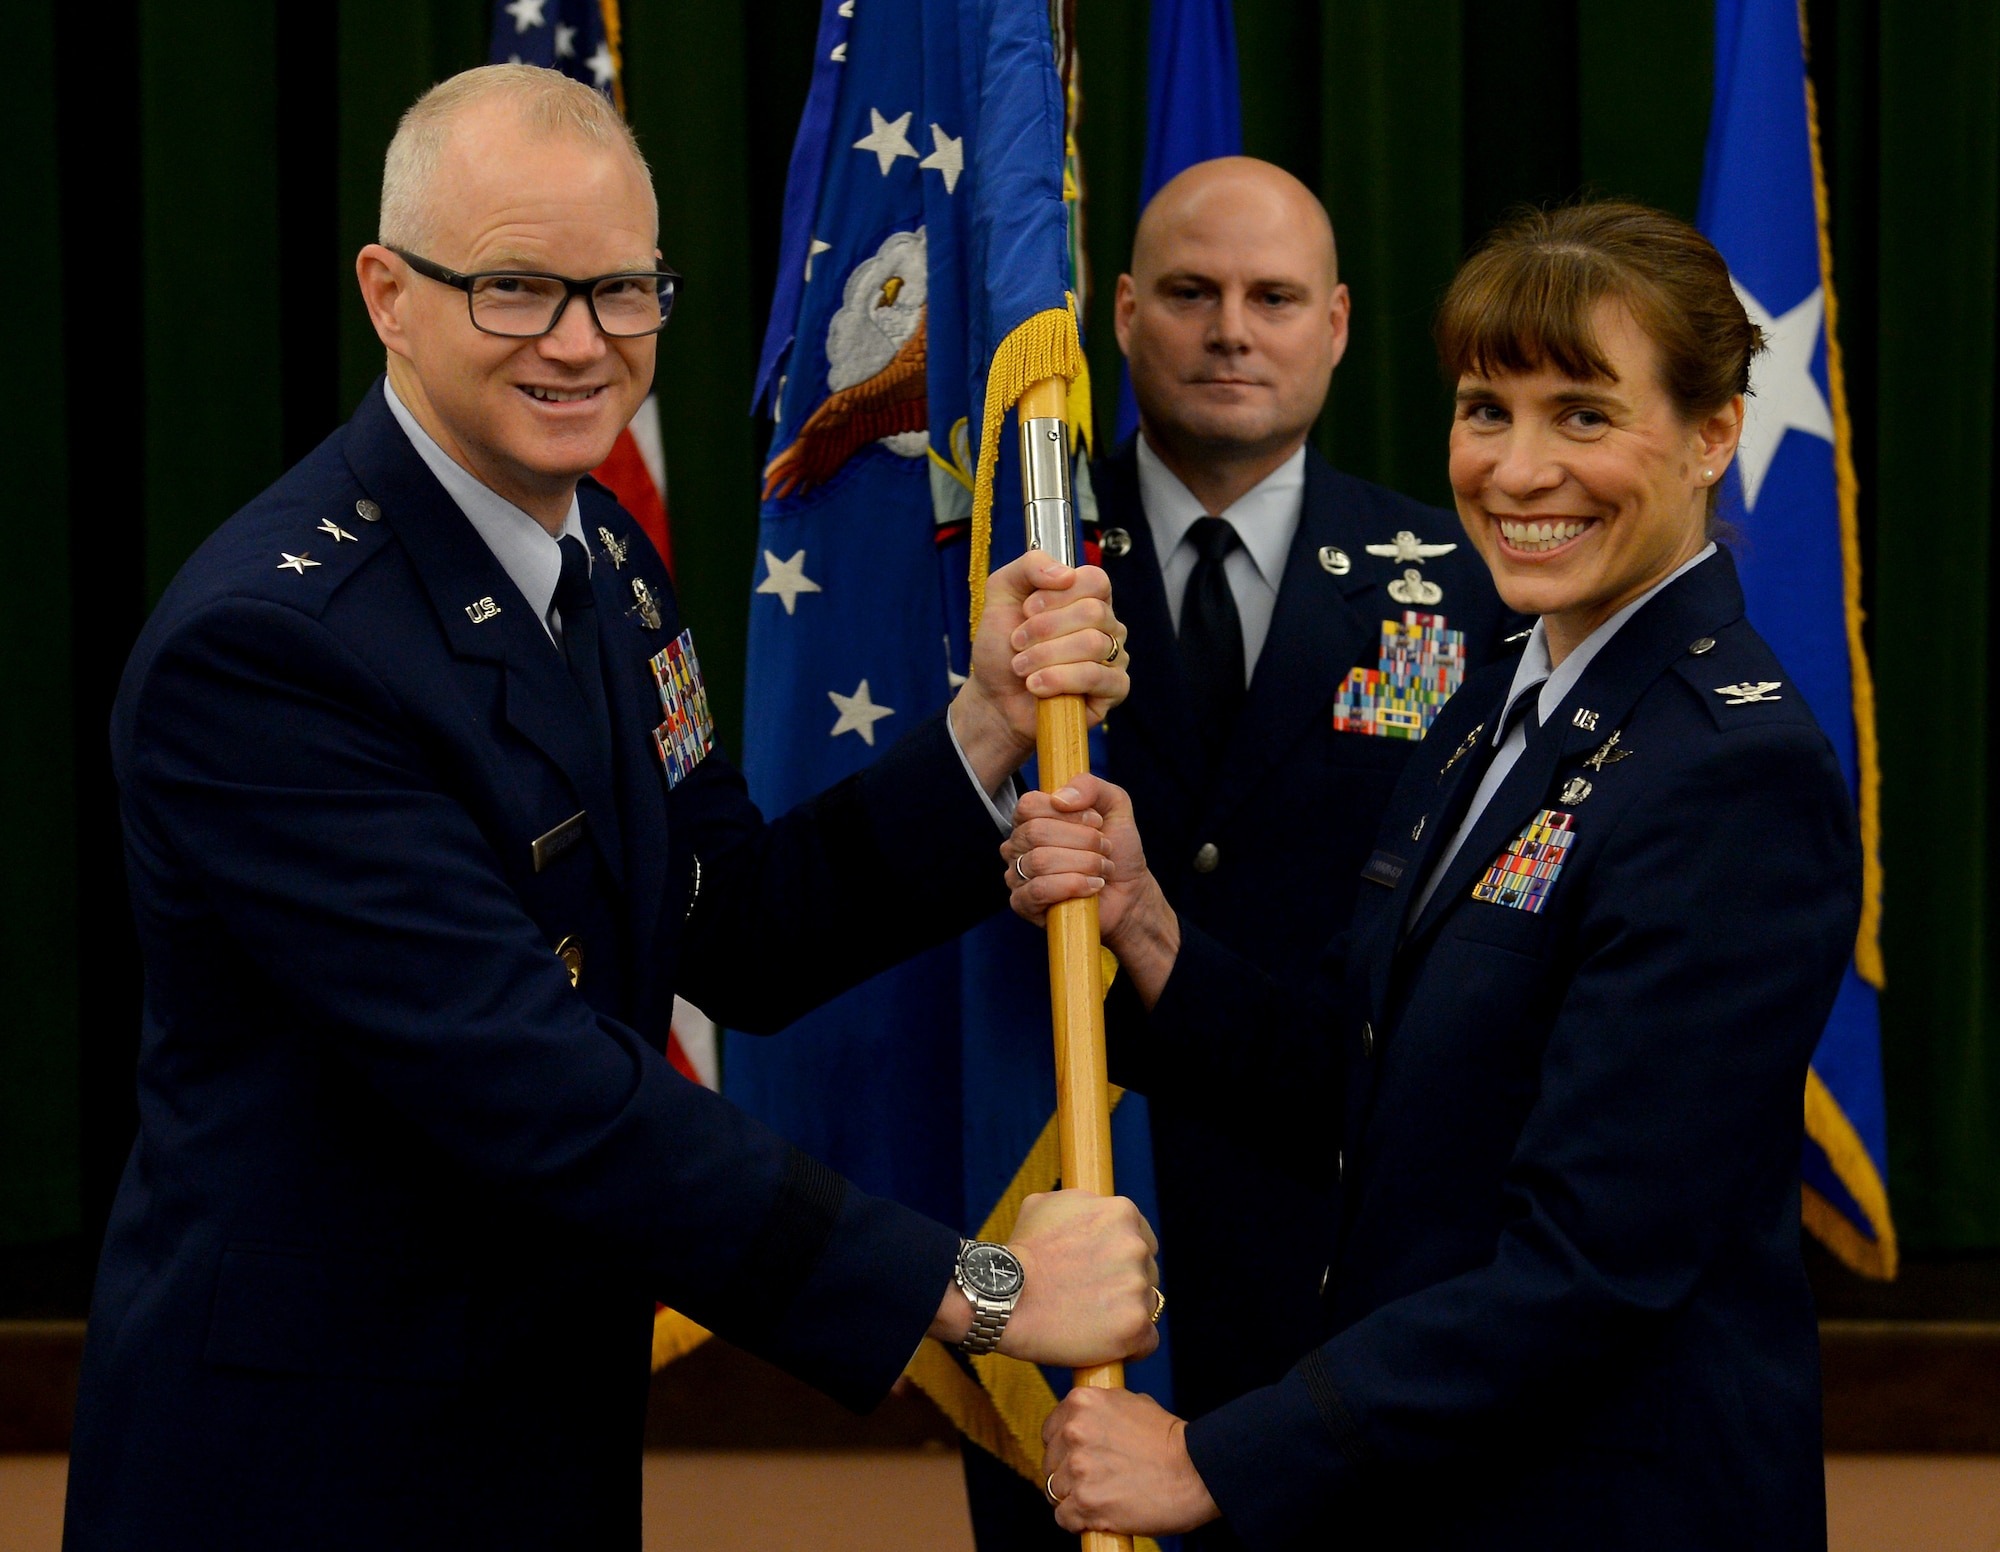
1738,678
301,552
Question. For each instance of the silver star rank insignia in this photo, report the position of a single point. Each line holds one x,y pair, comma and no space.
296,563
645,607
329,527
1607,753
614,547
1749,694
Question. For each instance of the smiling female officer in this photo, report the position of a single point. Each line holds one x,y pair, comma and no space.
1557,1062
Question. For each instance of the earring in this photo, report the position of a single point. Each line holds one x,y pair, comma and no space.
1708,474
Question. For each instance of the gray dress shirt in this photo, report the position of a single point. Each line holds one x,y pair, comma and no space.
1265,517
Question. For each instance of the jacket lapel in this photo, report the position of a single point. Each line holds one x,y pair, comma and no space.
1317,632
458,571
1157,708
634,703
1700,603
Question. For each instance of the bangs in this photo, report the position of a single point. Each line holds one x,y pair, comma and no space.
1527,308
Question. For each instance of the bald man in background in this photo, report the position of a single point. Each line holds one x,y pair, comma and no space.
1255,578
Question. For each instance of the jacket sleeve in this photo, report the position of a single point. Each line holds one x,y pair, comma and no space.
1712,939
272,778
893,860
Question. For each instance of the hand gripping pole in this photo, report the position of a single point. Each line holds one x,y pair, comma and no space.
1076,971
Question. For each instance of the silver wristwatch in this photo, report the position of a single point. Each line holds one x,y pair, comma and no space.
992,1279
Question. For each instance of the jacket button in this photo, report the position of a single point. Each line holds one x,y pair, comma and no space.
1367,1040
1325,1278
1339,1166
1207,857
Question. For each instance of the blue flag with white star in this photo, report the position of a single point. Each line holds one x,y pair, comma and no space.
925,223
1791,493
577,37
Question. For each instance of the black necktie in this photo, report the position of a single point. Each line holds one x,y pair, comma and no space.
1212,636
577,605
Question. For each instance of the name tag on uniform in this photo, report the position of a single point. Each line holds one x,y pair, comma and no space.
560,841
1522,875
1384,869
685,738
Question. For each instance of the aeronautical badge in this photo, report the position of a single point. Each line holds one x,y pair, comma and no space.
614,547
1420,666
1607,753
1748,693
1406,547
686,737
644,604
1521,877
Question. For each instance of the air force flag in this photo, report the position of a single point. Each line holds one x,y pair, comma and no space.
1792,492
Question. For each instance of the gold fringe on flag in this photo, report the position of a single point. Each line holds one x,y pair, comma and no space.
1827,1125
1042,346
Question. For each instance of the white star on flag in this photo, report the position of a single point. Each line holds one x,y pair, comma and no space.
858,714
600,65
788,579
888,139
947,156
813,250
565,41
526,13
1783,396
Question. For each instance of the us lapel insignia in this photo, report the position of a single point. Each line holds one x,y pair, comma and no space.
1749,694
1407,547
482,611
1585,719
645,606
1114,542
687,735
1419,667
1411,588
1607,753
614,547
1521,876
1463,749
1333,560
1574,791
1417,830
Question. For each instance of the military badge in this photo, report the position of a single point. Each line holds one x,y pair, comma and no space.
644,604
1607,753
1419,668
1750,692
686,737
1522,875
614,547
1411,588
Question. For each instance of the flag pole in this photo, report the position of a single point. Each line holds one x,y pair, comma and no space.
1076,970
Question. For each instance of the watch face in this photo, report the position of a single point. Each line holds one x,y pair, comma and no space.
992,1270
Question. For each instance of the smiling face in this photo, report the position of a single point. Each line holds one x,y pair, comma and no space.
1580,494
1232,319
527,417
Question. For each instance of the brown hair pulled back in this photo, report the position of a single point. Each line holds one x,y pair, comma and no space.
1525,297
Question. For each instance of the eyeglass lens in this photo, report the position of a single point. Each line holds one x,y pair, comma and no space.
526,305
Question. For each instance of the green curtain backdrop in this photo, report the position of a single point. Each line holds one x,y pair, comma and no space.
218,166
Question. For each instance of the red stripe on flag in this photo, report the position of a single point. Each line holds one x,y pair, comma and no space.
625,473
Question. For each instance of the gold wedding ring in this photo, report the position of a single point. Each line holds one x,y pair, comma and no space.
1159,1306
1049,1487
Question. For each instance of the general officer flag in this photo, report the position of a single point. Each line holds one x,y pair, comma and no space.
1792,492
925,274
1194,110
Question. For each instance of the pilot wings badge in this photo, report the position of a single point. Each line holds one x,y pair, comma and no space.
1406,547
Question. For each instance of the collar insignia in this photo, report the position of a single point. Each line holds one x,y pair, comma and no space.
1749,694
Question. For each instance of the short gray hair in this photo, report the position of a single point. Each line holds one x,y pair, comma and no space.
547,100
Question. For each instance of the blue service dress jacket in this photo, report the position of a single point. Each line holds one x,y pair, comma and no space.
1266,859
381,1269
1565,1292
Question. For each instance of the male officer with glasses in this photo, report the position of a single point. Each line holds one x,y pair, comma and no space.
424,831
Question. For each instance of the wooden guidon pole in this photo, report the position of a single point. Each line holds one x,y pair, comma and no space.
1076,971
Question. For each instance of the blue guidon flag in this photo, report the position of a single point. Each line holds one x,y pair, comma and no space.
927,275
1792,493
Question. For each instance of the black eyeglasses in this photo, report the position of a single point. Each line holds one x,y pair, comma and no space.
525,304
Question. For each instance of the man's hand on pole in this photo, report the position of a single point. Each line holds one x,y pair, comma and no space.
1117,1461
1047,630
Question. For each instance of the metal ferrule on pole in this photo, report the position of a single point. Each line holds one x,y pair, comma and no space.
1045,488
